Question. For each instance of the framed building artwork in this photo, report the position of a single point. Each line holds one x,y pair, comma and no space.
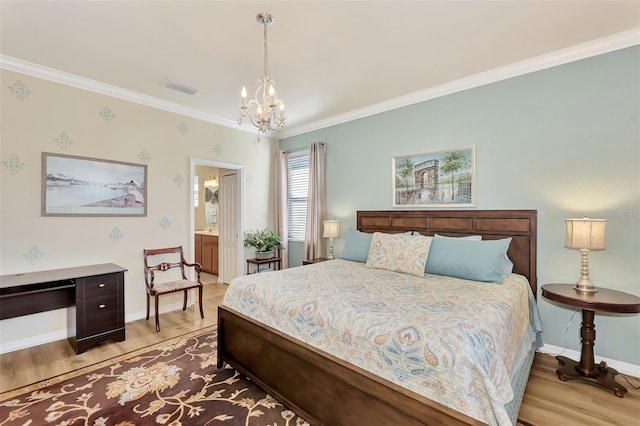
81,186
435,179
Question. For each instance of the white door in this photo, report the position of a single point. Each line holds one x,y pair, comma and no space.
229,239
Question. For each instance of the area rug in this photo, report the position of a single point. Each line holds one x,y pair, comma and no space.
175,383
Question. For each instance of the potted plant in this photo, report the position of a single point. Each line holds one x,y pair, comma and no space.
265,242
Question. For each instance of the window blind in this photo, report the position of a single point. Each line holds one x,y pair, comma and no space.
298,187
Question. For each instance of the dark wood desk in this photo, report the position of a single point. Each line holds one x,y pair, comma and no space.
604,300
97,291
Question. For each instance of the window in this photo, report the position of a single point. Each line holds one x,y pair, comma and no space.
298,188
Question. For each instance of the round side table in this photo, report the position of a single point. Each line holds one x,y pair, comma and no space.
604,300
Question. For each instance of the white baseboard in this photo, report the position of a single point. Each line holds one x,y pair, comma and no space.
622,367
41,339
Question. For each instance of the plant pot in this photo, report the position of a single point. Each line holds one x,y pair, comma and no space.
261,255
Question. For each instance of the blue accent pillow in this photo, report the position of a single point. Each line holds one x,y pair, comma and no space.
477,260
507,264
356,246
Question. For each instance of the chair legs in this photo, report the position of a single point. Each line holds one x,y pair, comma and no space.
148,306
156,310
184,306
157,315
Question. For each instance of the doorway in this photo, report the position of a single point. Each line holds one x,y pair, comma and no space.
231,204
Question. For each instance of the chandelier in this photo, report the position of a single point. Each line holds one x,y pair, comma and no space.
265,110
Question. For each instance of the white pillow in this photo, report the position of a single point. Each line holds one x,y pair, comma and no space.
399,253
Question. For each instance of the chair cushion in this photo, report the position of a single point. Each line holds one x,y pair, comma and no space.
169,286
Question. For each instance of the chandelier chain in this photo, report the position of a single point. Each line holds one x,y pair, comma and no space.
266,59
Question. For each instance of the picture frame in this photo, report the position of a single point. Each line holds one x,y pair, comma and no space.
84,186
443,178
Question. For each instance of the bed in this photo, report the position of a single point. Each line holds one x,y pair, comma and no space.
325,389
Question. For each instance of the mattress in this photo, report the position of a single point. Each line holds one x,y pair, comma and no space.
458,342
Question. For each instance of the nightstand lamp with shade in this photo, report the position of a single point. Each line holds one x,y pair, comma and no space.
331,231
585,234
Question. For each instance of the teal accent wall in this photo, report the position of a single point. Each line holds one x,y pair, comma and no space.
564,141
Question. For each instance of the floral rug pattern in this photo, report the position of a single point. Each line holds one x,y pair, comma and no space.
172,383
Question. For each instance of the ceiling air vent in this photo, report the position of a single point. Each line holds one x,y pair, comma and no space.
180,87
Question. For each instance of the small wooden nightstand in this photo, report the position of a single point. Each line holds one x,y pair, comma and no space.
604,300
316,260
275,261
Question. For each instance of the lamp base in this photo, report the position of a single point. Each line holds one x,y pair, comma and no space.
584,284
330,257
583,289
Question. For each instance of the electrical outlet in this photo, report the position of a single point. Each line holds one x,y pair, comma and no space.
140,286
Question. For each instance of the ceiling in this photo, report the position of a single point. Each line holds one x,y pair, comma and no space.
332,60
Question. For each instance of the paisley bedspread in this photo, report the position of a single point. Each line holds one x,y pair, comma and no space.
451,340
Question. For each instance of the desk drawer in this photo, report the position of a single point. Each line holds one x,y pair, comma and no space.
99,314
98,285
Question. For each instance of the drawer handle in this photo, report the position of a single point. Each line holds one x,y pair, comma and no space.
102,306
102,285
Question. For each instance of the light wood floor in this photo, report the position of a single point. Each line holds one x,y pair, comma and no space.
547,400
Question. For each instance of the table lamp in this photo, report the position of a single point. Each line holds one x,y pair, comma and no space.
331,231
585,234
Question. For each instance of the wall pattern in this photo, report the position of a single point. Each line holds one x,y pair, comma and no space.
63,141
116,235
182,128
19,90
107,115
13,164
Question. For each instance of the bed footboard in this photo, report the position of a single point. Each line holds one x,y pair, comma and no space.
319,387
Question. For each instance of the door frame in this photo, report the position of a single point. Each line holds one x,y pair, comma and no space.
240,219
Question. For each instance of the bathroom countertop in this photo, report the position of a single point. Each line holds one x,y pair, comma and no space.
213,232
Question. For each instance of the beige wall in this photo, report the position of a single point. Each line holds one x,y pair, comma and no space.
41,116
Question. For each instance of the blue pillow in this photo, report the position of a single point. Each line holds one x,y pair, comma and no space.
468,237
468,259
507,264
356,247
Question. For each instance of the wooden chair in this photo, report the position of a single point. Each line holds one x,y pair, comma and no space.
167,261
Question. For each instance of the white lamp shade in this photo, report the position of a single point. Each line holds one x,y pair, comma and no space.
585,233
331,229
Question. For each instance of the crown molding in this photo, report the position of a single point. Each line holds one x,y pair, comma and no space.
56,76
559,57
581,51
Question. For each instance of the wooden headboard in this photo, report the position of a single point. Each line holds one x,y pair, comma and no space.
519,225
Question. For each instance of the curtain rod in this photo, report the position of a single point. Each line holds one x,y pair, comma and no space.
301,149
297,150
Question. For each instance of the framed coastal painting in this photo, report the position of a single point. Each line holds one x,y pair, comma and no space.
81,186
435,179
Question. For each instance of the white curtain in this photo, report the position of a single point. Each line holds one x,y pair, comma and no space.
314,244
280,203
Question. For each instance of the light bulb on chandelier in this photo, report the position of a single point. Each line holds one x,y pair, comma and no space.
265,110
